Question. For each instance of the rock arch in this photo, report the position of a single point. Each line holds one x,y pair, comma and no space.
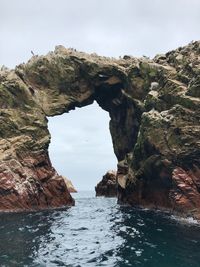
151,104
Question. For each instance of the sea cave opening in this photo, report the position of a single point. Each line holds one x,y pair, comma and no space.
81,147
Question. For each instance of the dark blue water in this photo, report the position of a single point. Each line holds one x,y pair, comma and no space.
98,232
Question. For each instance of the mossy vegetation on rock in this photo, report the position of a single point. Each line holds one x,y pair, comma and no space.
154,107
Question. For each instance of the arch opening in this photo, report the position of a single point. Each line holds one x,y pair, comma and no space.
81,147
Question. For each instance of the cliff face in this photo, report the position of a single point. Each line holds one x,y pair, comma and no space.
154,106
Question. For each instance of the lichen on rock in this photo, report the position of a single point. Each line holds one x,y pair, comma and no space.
154,109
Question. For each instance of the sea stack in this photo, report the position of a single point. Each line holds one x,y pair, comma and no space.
107,187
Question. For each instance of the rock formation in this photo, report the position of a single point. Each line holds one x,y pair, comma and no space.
70,186
154,106
108,185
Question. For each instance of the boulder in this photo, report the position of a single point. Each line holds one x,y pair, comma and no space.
107,187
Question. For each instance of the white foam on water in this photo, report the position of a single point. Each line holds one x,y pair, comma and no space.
188,220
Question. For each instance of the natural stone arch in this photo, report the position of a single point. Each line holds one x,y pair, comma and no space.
48,86
151,105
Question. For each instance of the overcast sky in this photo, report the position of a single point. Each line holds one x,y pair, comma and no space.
81,146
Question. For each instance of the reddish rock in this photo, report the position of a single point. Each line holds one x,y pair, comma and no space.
176,191
185,193
107,186
32,184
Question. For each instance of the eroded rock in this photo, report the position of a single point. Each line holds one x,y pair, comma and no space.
70,186
154,107
107,187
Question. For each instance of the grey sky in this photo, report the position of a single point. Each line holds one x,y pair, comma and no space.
81,146
108,27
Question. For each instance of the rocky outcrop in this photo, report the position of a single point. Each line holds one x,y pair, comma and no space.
154,107
163,169
70,186
107,187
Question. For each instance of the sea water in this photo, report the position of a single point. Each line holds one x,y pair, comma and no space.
98,232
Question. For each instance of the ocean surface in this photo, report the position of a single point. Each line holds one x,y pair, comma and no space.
98,232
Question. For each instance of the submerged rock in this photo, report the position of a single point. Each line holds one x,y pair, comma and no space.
108,185
154,107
